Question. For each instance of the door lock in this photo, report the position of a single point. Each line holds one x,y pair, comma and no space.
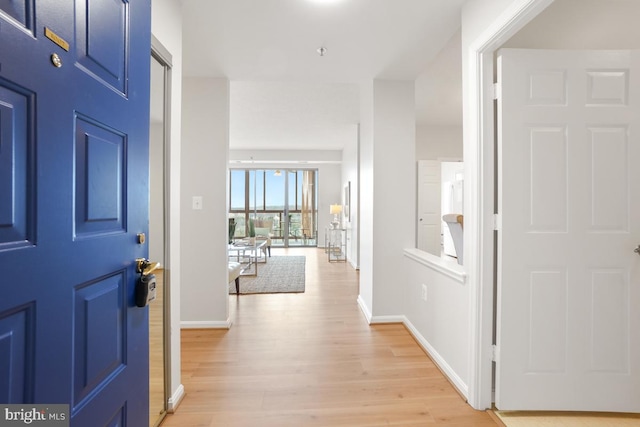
56,60
146,285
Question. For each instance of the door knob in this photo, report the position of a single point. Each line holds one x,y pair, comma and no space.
637,250
146,267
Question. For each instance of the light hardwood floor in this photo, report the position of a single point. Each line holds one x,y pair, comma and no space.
311,359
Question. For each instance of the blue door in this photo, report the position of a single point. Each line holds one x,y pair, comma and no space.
74,77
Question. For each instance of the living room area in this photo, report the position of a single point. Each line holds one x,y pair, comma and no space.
273,209
279,205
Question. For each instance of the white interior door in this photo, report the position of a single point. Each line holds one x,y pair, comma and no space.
429,206
452,179
569,191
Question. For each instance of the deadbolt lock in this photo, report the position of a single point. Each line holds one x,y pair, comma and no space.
56,60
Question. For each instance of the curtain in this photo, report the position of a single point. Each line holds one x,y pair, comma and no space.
308,207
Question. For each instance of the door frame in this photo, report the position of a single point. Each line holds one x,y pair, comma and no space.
479,146
164,57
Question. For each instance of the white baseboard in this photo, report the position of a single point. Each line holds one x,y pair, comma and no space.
365,310
377,319
205,324
435,356
387,319
175,399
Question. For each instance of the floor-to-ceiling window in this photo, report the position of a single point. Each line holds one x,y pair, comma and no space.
280,203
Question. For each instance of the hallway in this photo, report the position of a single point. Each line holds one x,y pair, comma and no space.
311,359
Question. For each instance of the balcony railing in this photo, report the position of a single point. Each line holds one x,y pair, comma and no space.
273,224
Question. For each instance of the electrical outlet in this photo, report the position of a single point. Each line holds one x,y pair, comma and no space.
424,292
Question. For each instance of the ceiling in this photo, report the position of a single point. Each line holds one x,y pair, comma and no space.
284,94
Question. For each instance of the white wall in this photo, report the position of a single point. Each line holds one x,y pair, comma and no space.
477,17
394,195
328,164
388,189
611,24
205,140
365,297
284,156
166,26
439,87
435,142
441,321
350,173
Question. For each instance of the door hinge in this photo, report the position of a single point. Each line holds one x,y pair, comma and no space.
495,353
496,91
497,222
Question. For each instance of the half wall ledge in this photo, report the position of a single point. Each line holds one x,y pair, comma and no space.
449,268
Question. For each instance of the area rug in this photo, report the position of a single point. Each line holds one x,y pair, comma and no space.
566,419
280,274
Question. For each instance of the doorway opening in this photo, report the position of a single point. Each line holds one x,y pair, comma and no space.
483,68
159,230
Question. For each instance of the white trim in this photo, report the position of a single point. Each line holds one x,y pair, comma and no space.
377,320
205,324
437,359
446,267
365,310
449,159
175,399
284,162
479,142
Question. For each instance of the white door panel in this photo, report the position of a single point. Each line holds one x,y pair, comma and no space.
429,206
569,196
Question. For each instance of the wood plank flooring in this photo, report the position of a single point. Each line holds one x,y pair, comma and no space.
311,359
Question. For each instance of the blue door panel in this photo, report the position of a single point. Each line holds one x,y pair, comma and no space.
20,10
16,360
118,419
16,170
99,334
104,57
100,178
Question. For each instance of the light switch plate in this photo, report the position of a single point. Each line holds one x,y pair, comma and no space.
196,203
